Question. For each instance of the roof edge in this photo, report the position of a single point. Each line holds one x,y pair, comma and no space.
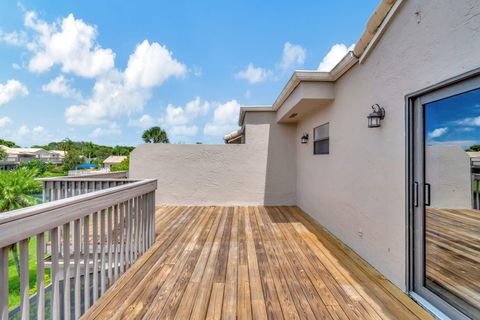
376,26
245,109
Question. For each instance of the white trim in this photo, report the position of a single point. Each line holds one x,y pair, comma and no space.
428,306
381,30
244,110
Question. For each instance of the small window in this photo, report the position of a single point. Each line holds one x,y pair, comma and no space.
321,139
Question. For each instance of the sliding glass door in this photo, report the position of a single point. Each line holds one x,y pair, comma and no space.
446,198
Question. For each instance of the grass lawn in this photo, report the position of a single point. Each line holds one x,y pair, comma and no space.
14,279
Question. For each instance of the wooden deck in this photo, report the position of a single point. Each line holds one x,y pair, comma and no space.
250,262
453,253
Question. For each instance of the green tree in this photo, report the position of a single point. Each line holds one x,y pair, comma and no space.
89,149
39,166
475,147
122,150
66,145
15,189
155,135
72,159
3,154
123,166
7,143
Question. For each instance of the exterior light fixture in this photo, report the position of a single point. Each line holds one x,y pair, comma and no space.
304,138
374,118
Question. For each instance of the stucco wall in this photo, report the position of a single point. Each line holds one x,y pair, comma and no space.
237,174
448,170
358,190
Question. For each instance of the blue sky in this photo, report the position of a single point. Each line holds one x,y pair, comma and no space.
105,70
454,120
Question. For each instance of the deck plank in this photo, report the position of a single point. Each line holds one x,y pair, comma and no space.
249,263
453,253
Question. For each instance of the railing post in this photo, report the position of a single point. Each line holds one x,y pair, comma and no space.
95,255
76,248
86,260
66,271
102,252
4,282
40,276
55,275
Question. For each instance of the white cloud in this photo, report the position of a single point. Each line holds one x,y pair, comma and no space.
16,66
461,143
437,133
104,132
179,121
61,86
150,65
145,121
10,90
253,74
225,119
466,129
197,71
336,53
14,38
293,55
469,122
70,43
123,93
4,121
23,131
178,132
25,135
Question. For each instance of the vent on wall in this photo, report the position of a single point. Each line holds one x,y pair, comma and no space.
293,115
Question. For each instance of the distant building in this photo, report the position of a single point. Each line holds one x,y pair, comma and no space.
113,160
15,156
475,160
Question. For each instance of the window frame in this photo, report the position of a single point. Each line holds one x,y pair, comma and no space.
322,139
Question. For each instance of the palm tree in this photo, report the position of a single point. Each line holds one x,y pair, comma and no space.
66,145
15,189
89,150
155,135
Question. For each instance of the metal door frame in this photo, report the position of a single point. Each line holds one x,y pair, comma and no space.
415,186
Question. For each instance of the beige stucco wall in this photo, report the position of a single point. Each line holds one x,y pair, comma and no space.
261,171
448,170
358,191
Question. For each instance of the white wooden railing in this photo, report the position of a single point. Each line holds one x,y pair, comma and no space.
86,241
98,173
61,188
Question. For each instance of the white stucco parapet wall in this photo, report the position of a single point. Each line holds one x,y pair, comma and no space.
237,174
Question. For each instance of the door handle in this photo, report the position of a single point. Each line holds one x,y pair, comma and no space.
427,194
415,194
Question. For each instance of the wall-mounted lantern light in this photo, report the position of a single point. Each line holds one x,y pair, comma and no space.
304,138
374,118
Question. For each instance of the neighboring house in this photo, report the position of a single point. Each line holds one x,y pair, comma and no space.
58,153
112,161
475,160
369,182
16,156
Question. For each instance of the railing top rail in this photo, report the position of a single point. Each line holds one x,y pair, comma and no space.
102,175
89,179
20,224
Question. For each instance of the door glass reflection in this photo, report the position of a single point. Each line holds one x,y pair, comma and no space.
452,215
